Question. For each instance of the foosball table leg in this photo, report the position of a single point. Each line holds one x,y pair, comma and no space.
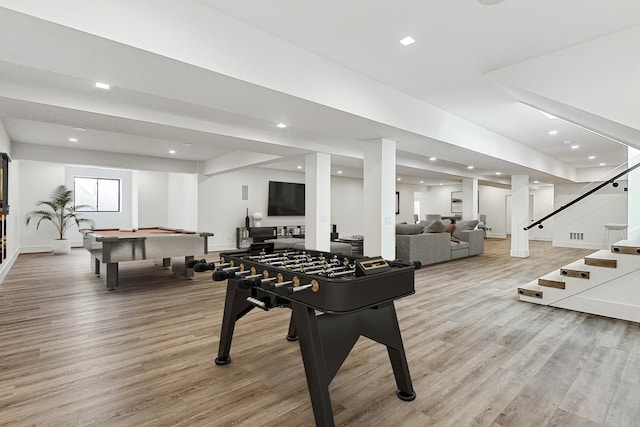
235,306
318,378
292,335
326,341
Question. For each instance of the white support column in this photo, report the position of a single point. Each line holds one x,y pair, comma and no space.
633,196
380,199
317,180
134,200
519,215
469,198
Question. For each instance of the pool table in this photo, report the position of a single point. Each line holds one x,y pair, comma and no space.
112,246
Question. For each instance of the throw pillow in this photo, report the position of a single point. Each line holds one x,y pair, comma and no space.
426,223
464,225
436,226
409,229
450,228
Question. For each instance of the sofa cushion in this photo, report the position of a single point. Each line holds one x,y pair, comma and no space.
464,225
409,229
436,226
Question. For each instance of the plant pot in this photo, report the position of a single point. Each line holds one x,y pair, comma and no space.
61,246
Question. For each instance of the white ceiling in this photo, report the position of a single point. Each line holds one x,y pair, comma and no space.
207,98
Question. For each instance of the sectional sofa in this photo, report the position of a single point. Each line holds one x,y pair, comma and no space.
431,242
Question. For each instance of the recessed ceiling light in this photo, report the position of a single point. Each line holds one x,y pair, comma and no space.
172,151
339,171
101,85
603,164
299,167
498,173
553,132
281,126
399,179
421,182
79,129
407,41
536,182
469,167
433,159
574,147
73,139
591,157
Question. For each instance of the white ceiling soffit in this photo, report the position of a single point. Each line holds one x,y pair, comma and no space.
235,161
595,85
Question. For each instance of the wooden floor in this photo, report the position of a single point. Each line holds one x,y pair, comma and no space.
74,354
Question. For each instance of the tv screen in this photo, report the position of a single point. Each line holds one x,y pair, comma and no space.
286,199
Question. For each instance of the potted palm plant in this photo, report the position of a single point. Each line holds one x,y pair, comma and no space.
62,213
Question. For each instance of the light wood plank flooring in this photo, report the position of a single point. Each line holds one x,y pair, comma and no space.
74,354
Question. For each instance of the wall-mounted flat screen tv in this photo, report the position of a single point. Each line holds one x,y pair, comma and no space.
286,199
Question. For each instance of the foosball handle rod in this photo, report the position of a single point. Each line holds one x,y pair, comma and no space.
294,289
258,303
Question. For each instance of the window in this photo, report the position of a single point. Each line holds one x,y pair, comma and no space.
99,194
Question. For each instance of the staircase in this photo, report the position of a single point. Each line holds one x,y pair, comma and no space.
606,283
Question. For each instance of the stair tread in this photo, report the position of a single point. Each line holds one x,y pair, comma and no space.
603,254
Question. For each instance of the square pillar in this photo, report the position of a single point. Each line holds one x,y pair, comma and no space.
317,179
633,196
379,198
469,198
519,216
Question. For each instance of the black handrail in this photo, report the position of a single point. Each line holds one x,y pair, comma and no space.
577,199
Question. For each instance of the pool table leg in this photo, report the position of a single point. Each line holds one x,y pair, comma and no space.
166,263
112,276
96,266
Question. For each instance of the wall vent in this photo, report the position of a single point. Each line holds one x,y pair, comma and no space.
576,236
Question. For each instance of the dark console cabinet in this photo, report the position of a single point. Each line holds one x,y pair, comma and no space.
246,236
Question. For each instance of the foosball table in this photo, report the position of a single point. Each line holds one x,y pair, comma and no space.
334,300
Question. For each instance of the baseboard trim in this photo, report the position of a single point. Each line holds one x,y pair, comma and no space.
7,264
221,247
34,249
574,244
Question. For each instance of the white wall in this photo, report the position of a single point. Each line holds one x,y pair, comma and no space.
492,202
438,200
221,208
37,181
215,204
164,199
123,219
182,198
13,219
542,206
607,205
347,210
407,197
152,202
